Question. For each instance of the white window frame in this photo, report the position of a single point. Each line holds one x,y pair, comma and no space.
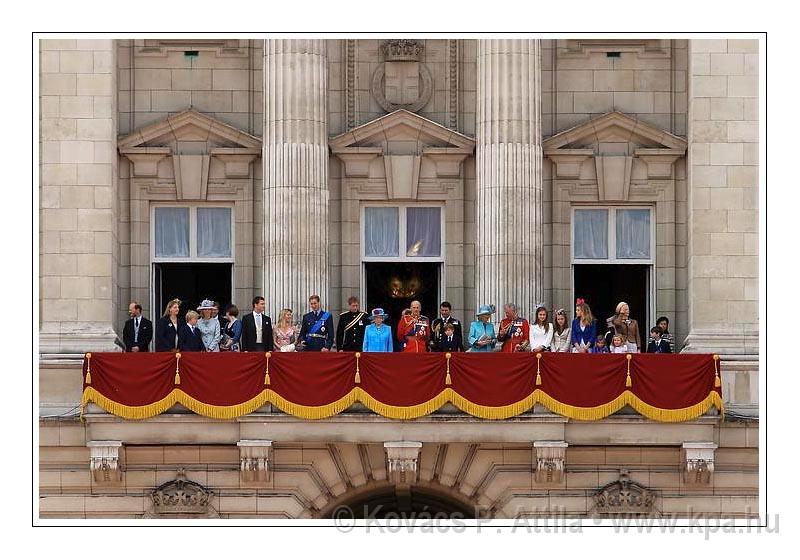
612,235
193,257
402,248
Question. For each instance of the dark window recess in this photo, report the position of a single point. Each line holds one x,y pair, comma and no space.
191,53
613,54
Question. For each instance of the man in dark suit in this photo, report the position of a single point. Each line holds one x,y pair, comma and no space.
189,337
138,331
449,341
316,332
350,331
257,329
437,327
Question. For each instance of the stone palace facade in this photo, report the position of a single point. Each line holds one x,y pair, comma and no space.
470,170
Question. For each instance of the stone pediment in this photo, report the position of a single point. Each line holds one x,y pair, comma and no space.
191,138
402,139
190,126
403,131
614,128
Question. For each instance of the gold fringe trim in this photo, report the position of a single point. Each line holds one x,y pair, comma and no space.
447,379
313,412
125,411
177,368
88,368
358,373
403,412
494,412
218,411
266,373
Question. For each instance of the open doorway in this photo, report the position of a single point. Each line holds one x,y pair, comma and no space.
603,286
191,283
394,285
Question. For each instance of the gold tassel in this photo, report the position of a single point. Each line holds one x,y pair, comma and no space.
88,369
266,373
177,368
538,374
358,374
628,382
717,380
447,380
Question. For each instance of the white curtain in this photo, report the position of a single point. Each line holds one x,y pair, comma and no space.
591,234
633,234
172,232
213,232
381,231
423,232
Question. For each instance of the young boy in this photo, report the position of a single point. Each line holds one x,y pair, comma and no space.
657,344
449,342
600,345
663,324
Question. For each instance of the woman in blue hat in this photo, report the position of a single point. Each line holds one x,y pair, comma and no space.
377,336
482,337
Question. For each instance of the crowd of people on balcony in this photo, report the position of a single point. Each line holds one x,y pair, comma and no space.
205,330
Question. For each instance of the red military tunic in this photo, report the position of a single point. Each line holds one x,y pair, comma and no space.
517,335
414,334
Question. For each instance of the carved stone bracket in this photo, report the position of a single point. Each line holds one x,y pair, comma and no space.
698,462
104,461
624,497
254,458
549,461
402,459
568,162
237,160
145,159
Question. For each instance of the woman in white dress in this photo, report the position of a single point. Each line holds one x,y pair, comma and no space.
541,331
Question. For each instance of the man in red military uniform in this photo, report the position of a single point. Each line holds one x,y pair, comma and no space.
414,330
514,331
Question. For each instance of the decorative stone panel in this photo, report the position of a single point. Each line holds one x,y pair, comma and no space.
402,458
549,461
698,463
104,461
254,456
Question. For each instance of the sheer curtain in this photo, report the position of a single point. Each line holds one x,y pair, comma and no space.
213,232
423,232
633,234
172,232
591,234
381,231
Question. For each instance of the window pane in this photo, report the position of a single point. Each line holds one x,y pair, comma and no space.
591,234
633,234
381,232
214,232
423,232
172,232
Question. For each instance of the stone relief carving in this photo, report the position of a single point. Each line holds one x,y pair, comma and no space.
402,458
624,497
402,81
182,497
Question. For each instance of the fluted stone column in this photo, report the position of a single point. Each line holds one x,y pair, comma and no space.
295,173
509,246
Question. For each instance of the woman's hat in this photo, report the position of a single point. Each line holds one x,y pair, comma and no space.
485,310
206,304
378,312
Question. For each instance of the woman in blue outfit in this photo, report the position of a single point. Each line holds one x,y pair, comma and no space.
482,337
377,336
584,330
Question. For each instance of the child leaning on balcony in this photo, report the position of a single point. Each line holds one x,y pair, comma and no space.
600,345
617,345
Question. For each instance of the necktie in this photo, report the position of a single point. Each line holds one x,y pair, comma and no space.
136,330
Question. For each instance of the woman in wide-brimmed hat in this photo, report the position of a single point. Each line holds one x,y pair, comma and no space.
377,336
209,326
482,337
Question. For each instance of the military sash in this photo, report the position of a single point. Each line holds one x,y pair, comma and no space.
319,323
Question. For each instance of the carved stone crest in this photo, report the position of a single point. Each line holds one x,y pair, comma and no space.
624,497
402,81
182,496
